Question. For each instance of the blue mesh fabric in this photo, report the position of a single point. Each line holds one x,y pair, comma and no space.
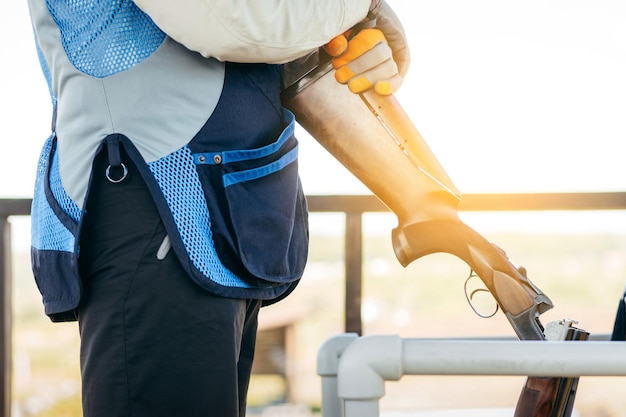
102,38
188,206
60,195
47,232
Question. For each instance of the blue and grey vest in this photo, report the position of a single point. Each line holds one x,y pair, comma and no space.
210,139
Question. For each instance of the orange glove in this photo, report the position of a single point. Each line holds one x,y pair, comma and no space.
377,57
365,61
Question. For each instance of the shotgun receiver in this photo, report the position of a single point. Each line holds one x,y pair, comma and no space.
373,137
551,397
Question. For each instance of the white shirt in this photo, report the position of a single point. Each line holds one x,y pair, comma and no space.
270,31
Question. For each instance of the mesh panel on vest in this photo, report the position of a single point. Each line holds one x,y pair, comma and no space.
177,178
102,38
65,202
47,232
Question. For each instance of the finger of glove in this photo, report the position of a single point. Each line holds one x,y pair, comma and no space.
371,59
361,43
337,45
389,86
383,73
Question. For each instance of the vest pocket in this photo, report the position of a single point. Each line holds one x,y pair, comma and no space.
54,219
258,210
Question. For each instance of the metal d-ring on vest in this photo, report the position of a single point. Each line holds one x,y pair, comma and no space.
124,173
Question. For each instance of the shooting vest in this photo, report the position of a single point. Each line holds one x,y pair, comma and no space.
211,140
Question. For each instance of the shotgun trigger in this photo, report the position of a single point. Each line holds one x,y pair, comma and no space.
470,293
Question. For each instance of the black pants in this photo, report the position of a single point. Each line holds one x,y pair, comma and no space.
153,343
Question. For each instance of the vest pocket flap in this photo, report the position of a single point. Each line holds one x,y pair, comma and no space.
268,215
258,210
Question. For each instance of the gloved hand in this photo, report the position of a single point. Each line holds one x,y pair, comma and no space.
375,57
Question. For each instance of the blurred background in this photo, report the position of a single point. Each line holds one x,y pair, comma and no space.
511,97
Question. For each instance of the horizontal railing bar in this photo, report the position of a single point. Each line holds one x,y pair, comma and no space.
15,207
483,202
470,202
345,203
544,201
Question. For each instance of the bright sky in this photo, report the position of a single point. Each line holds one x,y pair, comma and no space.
511,96
517,96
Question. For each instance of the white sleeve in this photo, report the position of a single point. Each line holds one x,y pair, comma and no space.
270,31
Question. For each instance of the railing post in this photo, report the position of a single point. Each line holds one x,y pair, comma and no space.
5,317
353,261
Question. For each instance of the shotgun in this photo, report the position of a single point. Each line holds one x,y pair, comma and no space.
374,138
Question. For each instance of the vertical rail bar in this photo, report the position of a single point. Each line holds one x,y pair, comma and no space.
5,317
353,261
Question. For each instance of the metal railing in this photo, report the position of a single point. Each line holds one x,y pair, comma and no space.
354,369
353,206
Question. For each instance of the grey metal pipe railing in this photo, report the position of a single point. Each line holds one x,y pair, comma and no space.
354,369
353,206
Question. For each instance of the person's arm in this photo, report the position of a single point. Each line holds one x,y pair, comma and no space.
270,31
